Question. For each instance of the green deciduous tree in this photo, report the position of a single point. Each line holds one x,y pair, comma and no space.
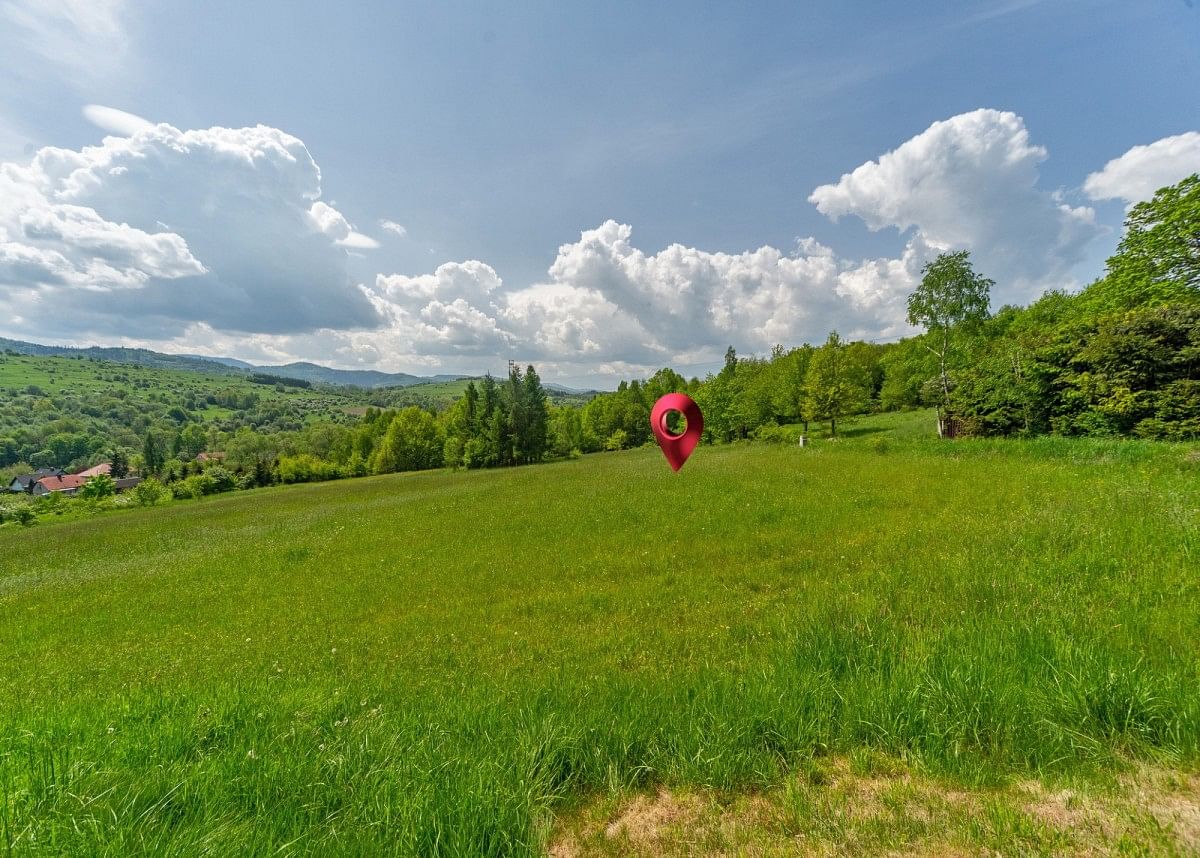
99,486
835,385
154,456
665,381
788,391
1158,259
223,481
191,441
951,298
565,431
150,492
412,442
301,468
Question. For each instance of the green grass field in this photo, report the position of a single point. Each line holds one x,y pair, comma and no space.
884,643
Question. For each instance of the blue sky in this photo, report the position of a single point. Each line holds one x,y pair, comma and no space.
504,138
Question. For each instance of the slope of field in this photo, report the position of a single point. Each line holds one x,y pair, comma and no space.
492,663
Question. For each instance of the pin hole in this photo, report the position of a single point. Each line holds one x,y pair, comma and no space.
674,423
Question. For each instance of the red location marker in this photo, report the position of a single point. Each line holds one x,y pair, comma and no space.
677,448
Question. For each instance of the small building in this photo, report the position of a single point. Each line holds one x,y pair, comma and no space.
68,484
25,482
126,483
210,457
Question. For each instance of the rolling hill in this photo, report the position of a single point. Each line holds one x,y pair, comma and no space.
214,365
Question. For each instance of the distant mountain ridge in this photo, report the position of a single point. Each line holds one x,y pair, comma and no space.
356,377
365,378
234,362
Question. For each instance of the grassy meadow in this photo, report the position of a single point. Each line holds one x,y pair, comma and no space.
881,643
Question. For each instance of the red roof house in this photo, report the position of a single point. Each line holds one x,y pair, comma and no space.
68,484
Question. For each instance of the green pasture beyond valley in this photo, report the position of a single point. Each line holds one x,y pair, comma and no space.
461,663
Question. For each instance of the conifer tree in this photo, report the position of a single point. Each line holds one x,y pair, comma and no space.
471,408
518,412
120,463
489,401
499,451
533,442
153,455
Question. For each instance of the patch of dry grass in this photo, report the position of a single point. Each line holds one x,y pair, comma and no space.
871,805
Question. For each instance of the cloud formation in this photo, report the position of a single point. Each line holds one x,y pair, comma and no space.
217,241
608,307
607,300
967,182
146,235
331,222
1141,171
971,182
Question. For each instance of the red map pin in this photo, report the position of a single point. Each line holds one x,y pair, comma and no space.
677,448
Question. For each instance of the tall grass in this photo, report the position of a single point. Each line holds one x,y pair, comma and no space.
436,663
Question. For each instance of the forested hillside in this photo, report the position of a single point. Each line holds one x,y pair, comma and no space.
301,370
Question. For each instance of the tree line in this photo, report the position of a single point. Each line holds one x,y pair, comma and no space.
1119,358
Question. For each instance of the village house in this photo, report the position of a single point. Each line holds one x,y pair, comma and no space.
25,482
68,484
45,481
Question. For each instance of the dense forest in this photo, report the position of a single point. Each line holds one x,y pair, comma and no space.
1119,358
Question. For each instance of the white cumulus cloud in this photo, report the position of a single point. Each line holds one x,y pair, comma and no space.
971,182
607,299
149,234
606,302
218,241
331,222
1141,171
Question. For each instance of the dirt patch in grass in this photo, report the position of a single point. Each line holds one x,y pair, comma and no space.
646,818
663,824
842,806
